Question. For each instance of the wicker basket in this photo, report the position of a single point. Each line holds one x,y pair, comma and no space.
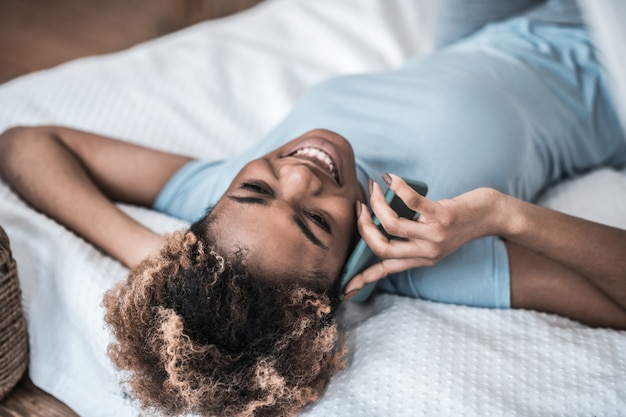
13,337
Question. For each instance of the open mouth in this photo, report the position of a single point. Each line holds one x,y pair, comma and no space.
319,158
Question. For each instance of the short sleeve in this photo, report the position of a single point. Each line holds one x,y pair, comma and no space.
475,275
194,188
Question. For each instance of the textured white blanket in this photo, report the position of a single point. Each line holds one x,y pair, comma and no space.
210,91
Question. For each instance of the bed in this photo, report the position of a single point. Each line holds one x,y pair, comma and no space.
211,91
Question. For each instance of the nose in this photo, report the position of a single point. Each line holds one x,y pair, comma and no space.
297,181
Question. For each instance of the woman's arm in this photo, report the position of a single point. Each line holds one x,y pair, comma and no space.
74,177
559,263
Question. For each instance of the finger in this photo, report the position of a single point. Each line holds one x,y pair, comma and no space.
380,206
390,220
408,195
381,270
368,230
386,248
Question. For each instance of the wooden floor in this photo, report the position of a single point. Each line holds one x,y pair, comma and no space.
38,34
28,400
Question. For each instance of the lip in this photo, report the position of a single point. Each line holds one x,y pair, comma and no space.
324,145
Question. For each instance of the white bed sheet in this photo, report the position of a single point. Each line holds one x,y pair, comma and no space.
211,91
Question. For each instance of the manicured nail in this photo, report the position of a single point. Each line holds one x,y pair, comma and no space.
349,295
387,178
358,209
370,185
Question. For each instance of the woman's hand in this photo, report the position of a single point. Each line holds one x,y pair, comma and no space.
558,263
442,227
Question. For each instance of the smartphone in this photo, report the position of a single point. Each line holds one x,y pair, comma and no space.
362,256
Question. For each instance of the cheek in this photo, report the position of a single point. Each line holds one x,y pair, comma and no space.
348,217
347,230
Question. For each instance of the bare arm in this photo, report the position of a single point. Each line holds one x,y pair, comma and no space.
559,263
595,251
74,177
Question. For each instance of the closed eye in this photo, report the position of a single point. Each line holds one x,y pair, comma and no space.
257,187
318,220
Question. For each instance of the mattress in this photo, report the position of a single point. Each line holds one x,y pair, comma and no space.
211,91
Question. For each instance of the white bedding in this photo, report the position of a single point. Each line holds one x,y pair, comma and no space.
211,91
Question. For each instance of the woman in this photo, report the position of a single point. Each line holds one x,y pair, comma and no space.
235,315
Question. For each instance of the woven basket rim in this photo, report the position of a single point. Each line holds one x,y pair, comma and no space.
13,334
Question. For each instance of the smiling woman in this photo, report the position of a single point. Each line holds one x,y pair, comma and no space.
235,315
297,201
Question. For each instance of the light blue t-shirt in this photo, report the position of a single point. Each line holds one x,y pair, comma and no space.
516,107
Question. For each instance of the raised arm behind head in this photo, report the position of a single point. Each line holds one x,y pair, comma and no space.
75,177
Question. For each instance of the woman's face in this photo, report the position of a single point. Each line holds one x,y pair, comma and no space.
293,210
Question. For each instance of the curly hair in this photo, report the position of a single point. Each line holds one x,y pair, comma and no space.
197,333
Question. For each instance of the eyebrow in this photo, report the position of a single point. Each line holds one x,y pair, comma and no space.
306,231
250,200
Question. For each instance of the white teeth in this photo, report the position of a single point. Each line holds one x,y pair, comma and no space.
319,155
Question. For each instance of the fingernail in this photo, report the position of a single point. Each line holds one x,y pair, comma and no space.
370,185
387,178
358,208
349,295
